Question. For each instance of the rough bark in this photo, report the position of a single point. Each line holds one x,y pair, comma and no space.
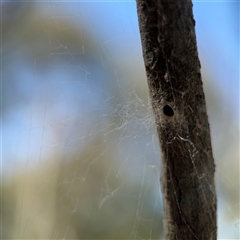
172,65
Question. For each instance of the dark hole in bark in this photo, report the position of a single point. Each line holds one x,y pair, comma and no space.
167,110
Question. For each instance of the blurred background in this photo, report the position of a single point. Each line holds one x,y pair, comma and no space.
80,156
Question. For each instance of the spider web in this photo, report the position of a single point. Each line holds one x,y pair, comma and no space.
82,159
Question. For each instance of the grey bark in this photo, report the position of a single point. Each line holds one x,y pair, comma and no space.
172,65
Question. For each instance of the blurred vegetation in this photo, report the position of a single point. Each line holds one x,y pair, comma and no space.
100,177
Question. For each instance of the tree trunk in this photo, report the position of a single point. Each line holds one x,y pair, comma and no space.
173,71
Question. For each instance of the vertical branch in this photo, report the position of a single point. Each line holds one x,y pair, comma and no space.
173,72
